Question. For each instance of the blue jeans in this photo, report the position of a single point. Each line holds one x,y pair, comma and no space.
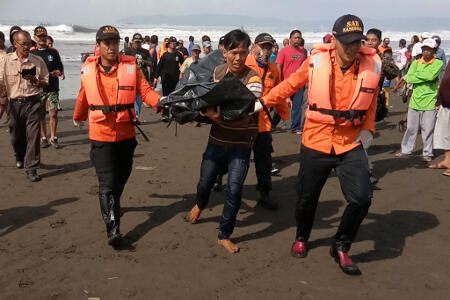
296,111
219,160
137,105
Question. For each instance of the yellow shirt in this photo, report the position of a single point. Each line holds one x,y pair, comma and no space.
10,75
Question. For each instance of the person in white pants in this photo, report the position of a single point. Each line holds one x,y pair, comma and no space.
423,74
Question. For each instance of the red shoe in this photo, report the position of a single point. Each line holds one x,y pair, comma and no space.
344,261
298,249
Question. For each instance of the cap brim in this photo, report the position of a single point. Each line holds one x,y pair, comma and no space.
265,42
350,38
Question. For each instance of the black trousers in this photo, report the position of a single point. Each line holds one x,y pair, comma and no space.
168,84
24,119
262,155
352,169
113,163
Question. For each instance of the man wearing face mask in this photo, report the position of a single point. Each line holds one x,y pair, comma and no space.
340,123
262,146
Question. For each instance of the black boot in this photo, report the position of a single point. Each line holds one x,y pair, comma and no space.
111,216
114,235
265,201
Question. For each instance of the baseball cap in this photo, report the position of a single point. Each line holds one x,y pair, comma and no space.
206,44
196,47
13,30
221,40
264,38
137,37
348,29
172,39
429,43
426,35
40,30
107,32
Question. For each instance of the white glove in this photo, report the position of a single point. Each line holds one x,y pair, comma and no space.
365,137
258,107
78,123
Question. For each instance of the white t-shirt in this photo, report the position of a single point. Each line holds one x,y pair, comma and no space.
416,50
401,58
146,46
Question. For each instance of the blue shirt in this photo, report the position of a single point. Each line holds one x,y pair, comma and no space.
190,48
440,54
273,57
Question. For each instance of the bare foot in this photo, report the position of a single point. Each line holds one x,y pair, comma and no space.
229,246
441,165
194,215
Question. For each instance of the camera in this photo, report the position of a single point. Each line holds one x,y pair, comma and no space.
28,72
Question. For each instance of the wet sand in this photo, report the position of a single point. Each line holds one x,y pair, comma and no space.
53,240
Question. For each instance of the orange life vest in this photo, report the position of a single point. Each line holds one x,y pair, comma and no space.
124,106
320,74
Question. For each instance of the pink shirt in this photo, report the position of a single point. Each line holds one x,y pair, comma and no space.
290,59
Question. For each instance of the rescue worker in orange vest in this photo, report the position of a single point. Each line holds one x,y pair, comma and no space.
262,146
343,79
109,84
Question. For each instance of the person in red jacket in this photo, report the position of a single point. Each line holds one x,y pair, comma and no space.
109,84
340,123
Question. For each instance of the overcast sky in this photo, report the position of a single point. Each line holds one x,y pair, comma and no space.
107,11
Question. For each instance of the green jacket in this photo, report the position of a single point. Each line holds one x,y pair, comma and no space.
424,77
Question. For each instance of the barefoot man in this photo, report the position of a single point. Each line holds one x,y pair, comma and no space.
230,142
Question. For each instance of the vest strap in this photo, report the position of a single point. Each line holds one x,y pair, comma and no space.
111,108
350,115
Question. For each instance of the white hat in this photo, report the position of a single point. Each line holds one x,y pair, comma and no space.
429,43
426,35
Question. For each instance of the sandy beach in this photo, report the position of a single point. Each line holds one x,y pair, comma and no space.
53,240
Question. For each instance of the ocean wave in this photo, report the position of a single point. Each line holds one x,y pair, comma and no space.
76,58
78,28
79,33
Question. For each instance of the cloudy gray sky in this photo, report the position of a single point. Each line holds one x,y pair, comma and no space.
104,11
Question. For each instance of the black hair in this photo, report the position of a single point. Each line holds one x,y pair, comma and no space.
402,42
191,38
234,38
2,36
50,38
146,39
415,38
294,32
154,39
127,39
375,31
302,42
206,38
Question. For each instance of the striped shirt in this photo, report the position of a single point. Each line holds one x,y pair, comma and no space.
238,133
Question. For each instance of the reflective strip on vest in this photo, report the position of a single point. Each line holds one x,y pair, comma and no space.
129,69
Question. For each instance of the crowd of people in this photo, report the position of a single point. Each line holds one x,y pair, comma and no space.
348,79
